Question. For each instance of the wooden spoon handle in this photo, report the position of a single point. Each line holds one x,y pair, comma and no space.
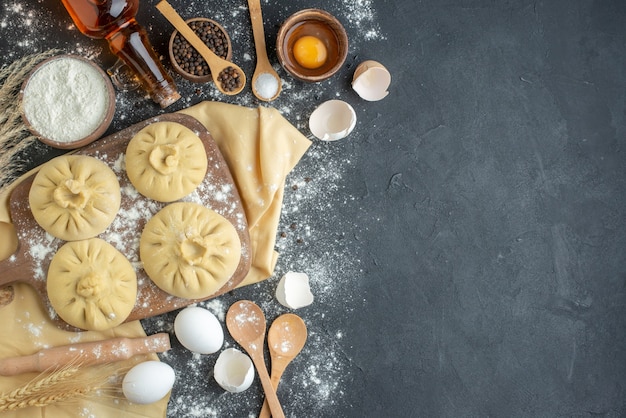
270,391
256,17
278,367
85,354
265,410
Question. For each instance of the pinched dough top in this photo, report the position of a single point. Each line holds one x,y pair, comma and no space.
166,161
91,285
75,197
189,251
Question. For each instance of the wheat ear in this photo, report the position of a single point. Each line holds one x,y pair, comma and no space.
32,392
66,384
14,136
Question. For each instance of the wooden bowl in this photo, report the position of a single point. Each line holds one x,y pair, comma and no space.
177,65
321,25
35,127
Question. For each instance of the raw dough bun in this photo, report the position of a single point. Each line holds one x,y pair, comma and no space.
75,197
91,285
166,161
189,250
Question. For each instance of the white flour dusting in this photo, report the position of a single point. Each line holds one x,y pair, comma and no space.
361,15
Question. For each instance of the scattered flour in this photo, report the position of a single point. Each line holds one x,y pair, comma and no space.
361,15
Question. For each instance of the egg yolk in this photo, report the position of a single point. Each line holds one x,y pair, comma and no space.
310,52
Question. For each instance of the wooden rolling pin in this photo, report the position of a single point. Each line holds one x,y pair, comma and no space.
85,354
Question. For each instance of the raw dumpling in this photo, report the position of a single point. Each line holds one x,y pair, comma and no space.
74,197
189,251
166,161
91,285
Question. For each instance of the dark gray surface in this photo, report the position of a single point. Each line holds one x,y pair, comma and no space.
469,250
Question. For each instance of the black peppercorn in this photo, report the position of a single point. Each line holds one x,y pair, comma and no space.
230,79
186,56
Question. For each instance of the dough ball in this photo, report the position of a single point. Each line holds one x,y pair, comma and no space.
91,285
75,197
166,161
189,251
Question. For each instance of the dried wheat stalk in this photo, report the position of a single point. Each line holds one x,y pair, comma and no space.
38,392
67,384
14,136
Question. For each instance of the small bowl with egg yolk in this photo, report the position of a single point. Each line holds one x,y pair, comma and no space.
312,45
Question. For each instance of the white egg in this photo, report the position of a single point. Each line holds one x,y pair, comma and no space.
233,370
332,120
148,382
199,330
371,80
293,290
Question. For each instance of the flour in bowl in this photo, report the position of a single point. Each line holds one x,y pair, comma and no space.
65,100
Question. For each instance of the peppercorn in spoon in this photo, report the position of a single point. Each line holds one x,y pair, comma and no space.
228,77
266,83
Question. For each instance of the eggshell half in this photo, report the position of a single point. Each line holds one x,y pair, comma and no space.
293,290
233,370
148,382
371,81
198,330
332,120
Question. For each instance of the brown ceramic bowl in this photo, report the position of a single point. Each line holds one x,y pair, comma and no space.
321,25
55,98
177,65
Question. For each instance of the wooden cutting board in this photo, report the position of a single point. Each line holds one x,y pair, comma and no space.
36,248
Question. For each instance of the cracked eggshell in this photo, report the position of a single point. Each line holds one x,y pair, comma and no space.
371,81
148,382
233,370
293,290
198,330
332,120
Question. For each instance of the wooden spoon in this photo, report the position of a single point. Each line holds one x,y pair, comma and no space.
285,340
246,323
216,64
263,65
